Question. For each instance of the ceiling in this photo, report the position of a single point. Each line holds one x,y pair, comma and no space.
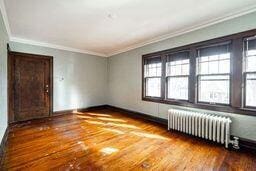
107,27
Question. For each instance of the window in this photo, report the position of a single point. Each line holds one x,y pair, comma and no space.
217,74
152,77
213,74
177,75
250,71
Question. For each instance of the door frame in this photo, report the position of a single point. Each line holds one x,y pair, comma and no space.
10,80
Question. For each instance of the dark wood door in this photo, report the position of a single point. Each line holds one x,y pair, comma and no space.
31,86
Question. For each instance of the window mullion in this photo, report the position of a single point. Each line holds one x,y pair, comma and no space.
236,73
163,80
192,76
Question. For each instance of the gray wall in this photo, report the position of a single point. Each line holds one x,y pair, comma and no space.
3,78
84,77
125,73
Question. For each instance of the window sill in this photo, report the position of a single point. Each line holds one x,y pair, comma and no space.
218,108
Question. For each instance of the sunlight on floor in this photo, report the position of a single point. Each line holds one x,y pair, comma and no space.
113,124
147,135
98,114
92,114
84,117
76,112
83,146
95,122
108,150
123,125
111,119
114,130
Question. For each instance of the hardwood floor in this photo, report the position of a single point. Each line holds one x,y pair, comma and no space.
108,140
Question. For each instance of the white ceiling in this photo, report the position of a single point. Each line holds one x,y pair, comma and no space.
106,27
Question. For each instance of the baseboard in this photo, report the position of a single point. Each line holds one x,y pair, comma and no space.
248,145
63,112
3,144
139,115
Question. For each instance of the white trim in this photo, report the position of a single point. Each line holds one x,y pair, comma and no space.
54,46
5,18
193,28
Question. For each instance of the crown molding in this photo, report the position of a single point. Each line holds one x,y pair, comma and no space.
184,31
55,46
5,18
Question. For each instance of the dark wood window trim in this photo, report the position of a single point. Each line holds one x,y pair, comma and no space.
236,76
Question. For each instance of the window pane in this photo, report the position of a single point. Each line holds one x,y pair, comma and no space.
251,90
176,70
204,68
224,56
172,70
251,43
214,89
204,59
215,64
179,67
214,58
153,87
224,66
178,88
185,69
215,50
213,67
153,70
250,55
251,63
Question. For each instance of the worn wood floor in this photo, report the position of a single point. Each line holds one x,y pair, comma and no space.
108,140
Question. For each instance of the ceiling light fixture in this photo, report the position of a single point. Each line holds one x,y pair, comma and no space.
111,16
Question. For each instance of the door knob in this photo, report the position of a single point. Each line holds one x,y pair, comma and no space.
47,90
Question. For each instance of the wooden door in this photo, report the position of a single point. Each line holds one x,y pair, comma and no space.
32,87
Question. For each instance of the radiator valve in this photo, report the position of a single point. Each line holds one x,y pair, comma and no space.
235,143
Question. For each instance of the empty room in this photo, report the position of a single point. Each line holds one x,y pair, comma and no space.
128,85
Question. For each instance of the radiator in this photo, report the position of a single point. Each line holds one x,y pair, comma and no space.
207,126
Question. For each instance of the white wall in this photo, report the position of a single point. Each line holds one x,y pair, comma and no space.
125,73
85,77
3,78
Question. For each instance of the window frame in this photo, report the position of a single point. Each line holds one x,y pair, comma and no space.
245,73
209,103
145,78
244,82
218,74
177,76
236,96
